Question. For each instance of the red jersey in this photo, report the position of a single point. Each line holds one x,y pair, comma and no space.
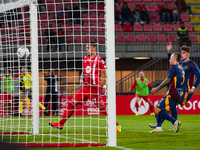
92,68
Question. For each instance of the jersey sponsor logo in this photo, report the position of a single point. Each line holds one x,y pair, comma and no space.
143,106
88,69
195,105
93,111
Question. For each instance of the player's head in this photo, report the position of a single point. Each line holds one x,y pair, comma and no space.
182,25
125,4
185,52
175,58
141,74
52,71
91,48
7,72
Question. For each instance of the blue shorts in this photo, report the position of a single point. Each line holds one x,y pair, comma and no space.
185,97
166,103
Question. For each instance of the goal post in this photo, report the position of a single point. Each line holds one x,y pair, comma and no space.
56,33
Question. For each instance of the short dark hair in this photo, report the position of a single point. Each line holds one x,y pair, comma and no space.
177,55
92,44
7,70
186,48
182,23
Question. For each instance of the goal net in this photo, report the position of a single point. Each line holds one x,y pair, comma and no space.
37,92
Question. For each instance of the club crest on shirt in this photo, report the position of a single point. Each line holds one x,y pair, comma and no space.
88,69
186,67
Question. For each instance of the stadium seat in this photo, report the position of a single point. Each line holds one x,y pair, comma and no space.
93,17
167,1
67,28
172,38
148,27
193,37
88,38
141,7
101,18
141,38
169,6
147,1
101,28
167,27
128,1
161,38
44,27
154,18
176,26
151,38
120,38
87,28
128,27
92,7
132,7
51,7
119,7
131,38
49,1
85,17
137,1
189,26
59,7
69,39
5,27
184,18
101,39
28,39
137,27
78,39
157,27
40,40
157,1
44,18
159,7
118,27
100,7
77,28
151,8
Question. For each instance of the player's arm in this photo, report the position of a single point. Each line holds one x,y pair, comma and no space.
103,72
197,74
17,75
133,86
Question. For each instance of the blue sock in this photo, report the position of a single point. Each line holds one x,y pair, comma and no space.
174,113
158,120
165,115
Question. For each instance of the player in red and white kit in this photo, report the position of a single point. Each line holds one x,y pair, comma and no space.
93,67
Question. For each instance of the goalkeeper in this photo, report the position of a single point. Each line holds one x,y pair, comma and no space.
25,91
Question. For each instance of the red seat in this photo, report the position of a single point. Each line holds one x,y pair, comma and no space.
137,1
193,37
137,27
167,27
119,7
184,18
27,39
49,1
151,8
44,18
100,7
87,28
101,28
159,7
120,38
51,7
131,38
176,26
154,18
147,1
69,39
118,27
157,1
172,38
151,38
169,6
44,27
157,27
141,7
167,1
59,7
77,28
40,40
161,38
102,18
132,7
85,17
92,7
89,39
128,27
189,26
5,27
141,38
128,1
101,39
148,27
78,39
94,17
67,28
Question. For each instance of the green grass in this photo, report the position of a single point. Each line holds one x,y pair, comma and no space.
135,133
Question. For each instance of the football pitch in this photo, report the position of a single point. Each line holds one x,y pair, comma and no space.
135,134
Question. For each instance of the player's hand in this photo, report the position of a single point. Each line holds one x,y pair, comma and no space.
169,47
82,82
191,91
129,90
153,91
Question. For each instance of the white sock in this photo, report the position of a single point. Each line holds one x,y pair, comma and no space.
159,128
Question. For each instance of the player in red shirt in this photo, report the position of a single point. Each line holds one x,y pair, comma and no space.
142,91
93,67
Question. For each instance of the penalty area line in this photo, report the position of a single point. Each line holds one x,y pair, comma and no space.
124,148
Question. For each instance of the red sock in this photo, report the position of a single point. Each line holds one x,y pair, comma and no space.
136,106
67,113
151,109
117,124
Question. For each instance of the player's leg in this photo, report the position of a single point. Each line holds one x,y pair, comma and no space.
148,100
47,99
54,101
137,99
22,97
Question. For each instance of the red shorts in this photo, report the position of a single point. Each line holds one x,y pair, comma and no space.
146,98
7,96
89,92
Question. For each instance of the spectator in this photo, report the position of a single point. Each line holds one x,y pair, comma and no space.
136,14
183,35
116,2
42,9
76,14
176,16
145,16
51,91
165,14
64,12
126,14
181,5
117,15
61,39
50,37
42,5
